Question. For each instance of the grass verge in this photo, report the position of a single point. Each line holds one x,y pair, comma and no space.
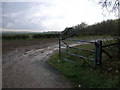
91,37
83,76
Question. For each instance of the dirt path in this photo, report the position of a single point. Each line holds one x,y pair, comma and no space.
29,69
26,66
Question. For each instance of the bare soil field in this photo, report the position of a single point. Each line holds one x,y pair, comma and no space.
24,65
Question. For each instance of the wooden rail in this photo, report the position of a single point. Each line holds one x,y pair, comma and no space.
112,44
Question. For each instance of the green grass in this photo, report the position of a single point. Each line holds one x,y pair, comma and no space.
56,38
14,37
86,37
82,74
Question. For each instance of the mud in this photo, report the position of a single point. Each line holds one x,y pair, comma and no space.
24,65
27,67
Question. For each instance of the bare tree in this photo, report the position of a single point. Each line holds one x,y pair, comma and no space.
111,6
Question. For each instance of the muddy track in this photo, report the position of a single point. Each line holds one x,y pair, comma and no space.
27,67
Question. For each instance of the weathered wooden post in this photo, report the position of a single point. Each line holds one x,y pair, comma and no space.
99,52
60,49
119,47
96,54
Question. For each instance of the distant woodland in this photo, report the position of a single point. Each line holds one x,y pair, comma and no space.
109,27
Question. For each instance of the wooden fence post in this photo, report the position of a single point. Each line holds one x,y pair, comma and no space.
118,48
60,49
99,52
96,54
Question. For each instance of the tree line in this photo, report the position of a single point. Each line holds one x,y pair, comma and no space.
109,27
29,36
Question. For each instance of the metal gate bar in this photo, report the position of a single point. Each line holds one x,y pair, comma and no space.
97,51
78,55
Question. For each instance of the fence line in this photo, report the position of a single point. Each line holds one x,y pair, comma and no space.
95,60
98,50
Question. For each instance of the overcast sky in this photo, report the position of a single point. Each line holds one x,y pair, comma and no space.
48,15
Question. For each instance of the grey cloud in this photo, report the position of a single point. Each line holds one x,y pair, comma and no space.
10,7
29,15
15,16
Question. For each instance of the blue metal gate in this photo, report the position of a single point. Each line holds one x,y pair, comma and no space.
97,51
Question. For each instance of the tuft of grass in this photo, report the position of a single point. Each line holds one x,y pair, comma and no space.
112,82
